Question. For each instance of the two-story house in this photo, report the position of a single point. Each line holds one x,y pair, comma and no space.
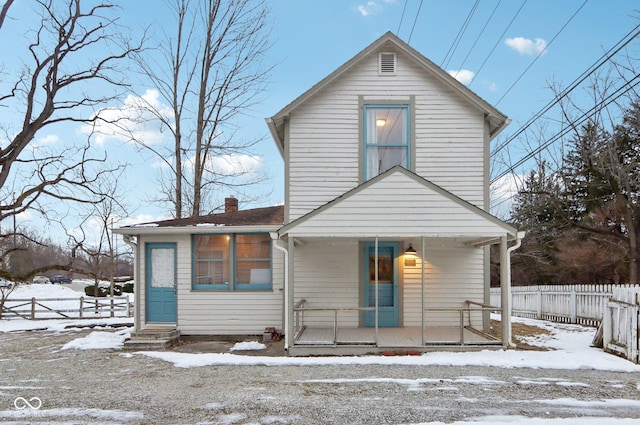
382,244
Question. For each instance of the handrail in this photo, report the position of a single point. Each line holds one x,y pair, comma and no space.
462,310
335,310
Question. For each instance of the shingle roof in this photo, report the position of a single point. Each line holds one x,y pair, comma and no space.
252,217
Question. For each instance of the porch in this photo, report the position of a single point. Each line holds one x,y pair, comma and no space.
317,340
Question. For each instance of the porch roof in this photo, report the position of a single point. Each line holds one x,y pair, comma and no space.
399,203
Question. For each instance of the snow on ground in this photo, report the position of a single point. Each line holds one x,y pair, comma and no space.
523,420
99,341
569,344
248,345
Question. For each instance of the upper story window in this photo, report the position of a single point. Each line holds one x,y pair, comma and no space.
232,262
387,138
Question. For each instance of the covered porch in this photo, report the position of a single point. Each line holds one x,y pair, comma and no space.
397,264
405,340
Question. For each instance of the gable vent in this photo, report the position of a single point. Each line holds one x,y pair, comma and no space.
387,64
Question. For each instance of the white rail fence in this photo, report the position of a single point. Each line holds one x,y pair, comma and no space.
581,304
615,307
67,308
620,323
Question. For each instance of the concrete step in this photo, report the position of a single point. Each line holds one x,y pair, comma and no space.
151,334
152,339
147,344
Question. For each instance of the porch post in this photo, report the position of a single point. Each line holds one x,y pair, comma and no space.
422,261
505,292
290,295
376,277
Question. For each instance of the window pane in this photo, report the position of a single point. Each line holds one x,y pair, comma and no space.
212,260
387,126
162,268
253,259
380,159
386,138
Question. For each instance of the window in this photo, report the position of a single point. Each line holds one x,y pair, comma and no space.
386,138
232,262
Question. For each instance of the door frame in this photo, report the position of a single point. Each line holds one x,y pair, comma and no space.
368,317
148,271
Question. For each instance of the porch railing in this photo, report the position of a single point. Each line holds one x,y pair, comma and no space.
470,310
470,307
298,321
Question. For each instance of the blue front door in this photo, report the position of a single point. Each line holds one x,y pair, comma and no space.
161,282
387,277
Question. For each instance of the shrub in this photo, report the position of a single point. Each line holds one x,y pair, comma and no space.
128,288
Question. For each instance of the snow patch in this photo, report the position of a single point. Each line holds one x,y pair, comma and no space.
99,341
248,346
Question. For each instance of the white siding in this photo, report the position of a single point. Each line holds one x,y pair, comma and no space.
324,141
453,274
396,206
326,275
220,312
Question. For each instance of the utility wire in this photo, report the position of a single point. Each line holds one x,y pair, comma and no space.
478,37
596,108
497,42
614,50
461,32
542,52
402,17
414,22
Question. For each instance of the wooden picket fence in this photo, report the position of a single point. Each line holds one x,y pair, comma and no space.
614,308
67,308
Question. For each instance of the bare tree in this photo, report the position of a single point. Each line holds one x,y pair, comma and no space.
71,66
211,73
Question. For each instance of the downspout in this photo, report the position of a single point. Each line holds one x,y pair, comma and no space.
285,300
506,291
128,239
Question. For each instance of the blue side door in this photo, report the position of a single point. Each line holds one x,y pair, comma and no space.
160,277
387,284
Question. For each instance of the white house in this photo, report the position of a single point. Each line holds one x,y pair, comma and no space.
382,243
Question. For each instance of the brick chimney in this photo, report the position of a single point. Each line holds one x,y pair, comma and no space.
230,205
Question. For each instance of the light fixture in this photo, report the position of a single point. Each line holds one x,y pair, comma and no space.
410,255
410,251
380,122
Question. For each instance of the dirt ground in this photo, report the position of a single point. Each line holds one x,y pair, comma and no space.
520,330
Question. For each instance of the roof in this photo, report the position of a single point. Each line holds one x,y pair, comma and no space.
400,203
497,120
267,216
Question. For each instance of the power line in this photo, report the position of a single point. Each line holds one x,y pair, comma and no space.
497,42
461,32
596,108
402,16
479,35
621,44
414,22
542,52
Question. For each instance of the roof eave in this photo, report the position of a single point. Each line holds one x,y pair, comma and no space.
195,229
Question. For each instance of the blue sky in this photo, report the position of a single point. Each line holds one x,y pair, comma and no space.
311,39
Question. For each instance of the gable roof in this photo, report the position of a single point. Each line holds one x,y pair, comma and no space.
399,203
497,119
265,217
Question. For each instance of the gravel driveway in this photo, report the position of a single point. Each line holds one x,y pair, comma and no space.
110,386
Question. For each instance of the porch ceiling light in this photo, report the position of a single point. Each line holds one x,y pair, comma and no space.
380,122
410,250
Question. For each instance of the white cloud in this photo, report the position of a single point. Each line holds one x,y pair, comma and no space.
463,75
502,192
132,120
370,8
525,46
235,164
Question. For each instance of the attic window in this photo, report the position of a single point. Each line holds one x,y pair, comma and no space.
387,64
